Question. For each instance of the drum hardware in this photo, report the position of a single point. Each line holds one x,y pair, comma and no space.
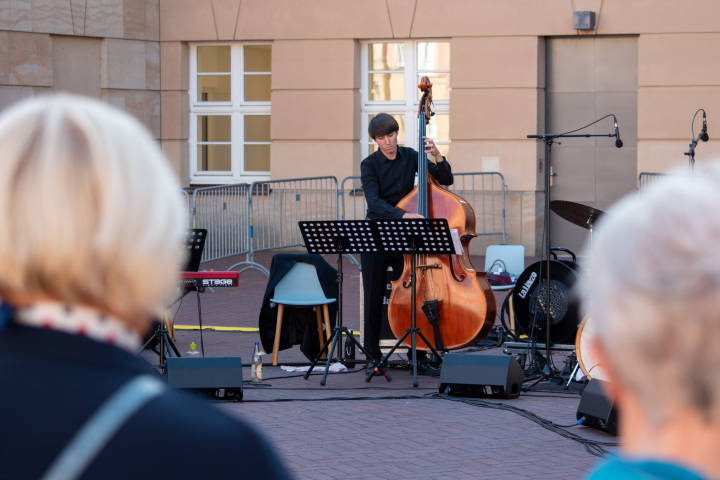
523,348
577,213
574,359
586,358
529,300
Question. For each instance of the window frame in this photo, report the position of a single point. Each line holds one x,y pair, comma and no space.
409,106
237,108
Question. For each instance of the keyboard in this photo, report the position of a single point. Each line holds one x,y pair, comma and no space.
208,279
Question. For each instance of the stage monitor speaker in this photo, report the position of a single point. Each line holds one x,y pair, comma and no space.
220,377
597,409
469,375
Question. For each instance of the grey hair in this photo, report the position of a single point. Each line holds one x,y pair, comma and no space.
91,210
653,293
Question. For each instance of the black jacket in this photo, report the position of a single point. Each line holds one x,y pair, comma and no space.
53,381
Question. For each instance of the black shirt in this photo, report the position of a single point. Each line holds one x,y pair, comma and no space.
386,182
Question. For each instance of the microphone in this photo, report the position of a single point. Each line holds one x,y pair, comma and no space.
618,142
703,134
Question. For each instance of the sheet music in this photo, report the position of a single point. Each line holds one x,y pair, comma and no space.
456,241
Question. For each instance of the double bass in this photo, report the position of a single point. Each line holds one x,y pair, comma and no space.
457,300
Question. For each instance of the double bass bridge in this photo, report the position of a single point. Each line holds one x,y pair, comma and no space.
428,266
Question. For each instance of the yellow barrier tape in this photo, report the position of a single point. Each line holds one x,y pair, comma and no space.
223,329
227,329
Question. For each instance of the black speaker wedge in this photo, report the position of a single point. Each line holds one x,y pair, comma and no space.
220,377
598,410
471,375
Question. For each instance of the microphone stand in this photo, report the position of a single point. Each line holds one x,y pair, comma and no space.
701,136
549,139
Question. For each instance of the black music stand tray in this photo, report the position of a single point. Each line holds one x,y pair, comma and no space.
195,242
341,237
414,236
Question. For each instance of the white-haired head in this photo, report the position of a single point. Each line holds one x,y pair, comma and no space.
91,211
653,293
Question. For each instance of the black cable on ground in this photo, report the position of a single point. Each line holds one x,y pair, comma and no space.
593,447
334,399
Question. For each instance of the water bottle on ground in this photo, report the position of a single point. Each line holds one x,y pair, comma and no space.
193,352
256,372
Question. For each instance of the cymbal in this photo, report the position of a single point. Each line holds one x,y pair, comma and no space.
577,213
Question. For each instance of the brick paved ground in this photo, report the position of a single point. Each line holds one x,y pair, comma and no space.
350,429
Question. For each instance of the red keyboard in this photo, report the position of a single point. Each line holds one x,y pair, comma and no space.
209,279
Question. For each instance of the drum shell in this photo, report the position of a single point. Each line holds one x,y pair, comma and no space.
528,296
589,364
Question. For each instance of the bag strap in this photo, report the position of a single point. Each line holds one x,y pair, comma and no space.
102,426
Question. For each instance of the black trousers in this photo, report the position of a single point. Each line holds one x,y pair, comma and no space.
374,278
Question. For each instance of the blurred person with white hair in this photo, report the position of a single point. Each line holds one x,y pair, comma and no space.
653,293
92,238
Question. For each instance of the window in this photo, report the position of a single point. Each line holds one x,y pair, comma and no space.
391,74
230,113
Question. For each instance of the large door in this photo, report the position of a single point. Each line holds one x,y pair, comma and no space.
587,78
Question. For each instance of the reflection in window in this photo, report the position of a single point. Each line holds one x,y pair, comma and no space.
257,143
388,68
386,63
214,136
213,73
434,62
214,158
257,73
439,130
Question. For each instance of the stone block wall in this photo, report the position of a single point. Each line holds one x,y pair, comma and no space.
106,49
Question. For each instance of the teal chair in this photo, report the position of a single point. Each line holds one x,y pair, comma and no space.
300,287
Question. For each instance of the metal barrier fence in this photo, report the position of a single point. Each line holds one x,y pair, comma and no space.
277,206
246,218
223,211
646,179
484,191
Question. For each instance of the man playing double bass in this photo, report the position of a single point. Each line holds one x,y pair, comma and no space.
387,176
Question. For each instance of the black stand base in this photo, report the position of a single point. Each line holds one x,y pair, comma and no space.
413,332
161,337
336,341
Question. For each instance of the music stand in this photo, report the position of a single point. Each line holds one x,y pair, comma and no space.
414,236
195,243
341,237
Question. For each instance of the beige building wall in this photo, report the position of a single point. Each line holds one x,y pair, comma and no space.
135,54
104,49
